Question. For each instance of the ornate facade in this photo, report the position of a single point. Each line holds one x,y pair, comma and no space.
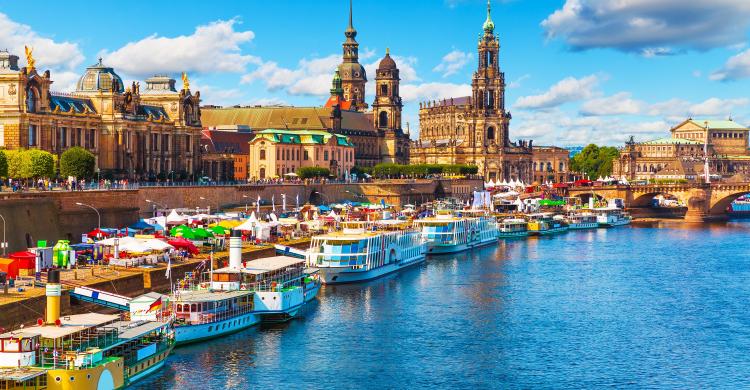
683,154
131,133
475,129
550,163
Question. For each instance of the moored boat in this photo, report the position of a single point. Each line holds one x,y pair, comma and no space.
365,250
513,227
451,231
582,220
611,217
542,224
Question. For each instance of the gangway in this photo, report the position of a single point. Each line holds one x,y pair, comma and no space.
289,251
103,298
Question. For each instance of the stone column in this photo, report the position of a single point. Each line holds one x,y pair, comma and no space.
698,204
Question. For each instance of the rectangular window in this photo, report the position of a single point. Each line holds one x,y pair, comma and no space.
325,155
306,155
32,135
79,137
64,137
92,138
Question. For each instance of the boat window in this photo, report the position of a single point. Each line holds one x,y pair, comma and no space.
194,307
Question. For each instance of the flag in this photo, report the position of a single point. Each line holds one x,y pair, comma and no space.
283,202
169,267
257,205
273,202
156,305
297,200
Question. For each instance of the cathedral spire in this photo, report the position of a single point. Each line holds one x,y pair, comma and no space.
489,25
350,31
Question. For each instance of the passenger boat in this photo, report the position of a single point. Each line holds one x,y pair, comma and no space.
612,216
365,250
582,220
230,299
86,351
542,224
452,231
513,227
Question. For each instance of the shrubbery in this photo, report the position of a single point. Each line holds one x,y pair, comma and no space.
28,164
312,172
77,162
419,170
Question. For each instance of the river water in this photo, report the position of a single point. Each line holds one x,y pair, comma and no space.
643,306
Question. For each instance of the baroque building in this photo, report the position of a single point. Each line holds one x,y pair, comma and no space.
132,133
683,154
475,129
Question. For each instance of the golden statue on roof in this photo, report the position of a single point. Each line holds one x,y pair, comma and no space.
29,57
185,81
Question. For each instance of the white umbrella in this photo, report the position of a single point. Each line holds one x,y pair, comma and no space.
174,217
135,247
291,174
156,244
122,241
247,225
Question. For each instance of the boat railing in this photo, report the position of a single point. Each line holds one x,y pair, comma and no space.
217,316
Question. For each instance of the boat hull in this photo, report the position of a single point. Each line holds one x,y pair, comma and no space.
347,275
621,222
580,226
548,232
186,334
524,233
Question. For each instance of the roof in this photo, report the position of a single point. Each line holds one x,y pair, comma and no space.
259,118
132,329
671,141
65,102
459,101
301,137
387,63
216,141
73,324
269,264
713,124
209,296
156,112
337,100
21,374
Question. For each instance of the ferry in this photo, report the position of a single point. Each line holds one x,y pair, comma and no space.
86,351
455,231
230,299
513,227
542,224
612,216
582,220
740,207
365,250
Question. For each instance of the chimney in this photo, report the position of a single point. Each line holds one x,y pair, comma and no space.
53,292
235,250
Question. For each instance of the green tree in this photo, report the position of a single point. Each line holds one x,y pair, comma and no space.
311,172
3,164
594,161
77,162
42,163
19,164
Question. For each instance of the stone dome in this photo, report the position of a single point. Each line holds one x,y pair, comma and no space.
352,71
100,78
387,63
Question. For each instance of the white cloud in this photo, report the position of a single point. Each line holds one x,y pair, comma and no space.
566,90
433,91
517,82
211,48
452,62
676,110
267,101
650,27
617,104
61,58
736,67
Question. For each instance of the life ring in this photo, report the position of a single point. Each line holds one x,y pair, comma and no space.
243,286
204,285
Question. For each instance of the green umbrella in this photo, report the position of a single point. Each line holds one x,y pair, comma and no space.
202,233
178,229
220,230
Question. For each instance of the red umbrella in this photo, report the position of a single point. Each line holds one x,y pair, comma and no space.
98,233
184,244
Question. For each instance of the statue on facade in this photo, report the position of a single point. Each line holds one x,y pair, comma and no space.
29,57
185,81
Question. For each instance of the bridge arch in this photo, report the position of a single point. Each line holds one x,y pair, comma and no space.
720,206
646,199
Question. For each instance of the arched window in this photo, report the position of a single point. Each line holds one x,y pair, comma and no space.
535,166
262,154
383,119
262,173
491,133
384,89
31,99
562,167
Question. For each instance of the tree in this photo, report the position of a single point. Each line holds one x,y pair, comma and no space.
19,164
594,161
42,163
77,162
3,165
311,172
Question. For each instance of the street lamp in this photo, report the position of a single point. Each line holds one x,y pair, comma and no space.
98,216
245,197
4,243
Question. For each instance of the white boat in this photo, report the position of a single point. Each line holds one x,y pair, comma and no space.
542,224
230,299
365,250
455,231
612,216
582,220
513,227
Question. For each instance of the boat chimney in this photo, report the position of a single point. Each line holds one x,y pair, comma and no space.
53,291
235,250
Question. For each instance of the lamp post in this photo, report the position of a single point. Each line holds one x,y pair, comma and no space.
98,216
4,243
245,197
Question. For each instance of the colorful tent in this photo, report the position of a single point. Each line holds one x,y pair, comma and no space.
182,243
202,233
219,230
229,223
98,233
141,225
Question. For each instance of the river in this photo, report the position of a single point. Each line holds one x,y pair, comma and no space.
650,305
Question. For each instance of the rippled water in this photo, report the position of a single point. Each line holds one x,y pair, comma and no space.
639,307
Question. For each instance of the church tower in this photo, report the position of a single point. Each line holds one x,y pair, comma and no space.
386,108
488,89
352,73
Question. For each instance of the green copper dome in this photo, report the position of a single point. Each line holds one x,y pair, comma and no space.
488,25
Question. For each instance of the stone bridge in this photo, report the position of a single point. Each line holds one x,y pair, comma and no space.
704,201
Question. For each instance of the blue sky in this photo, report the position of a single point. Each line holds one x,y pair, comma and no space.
579,71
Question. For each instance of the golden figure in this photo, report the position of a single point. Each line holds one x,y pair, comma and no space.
29,56
185,81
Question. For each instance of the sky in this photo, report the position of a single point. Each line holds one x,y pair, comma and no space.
578,71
